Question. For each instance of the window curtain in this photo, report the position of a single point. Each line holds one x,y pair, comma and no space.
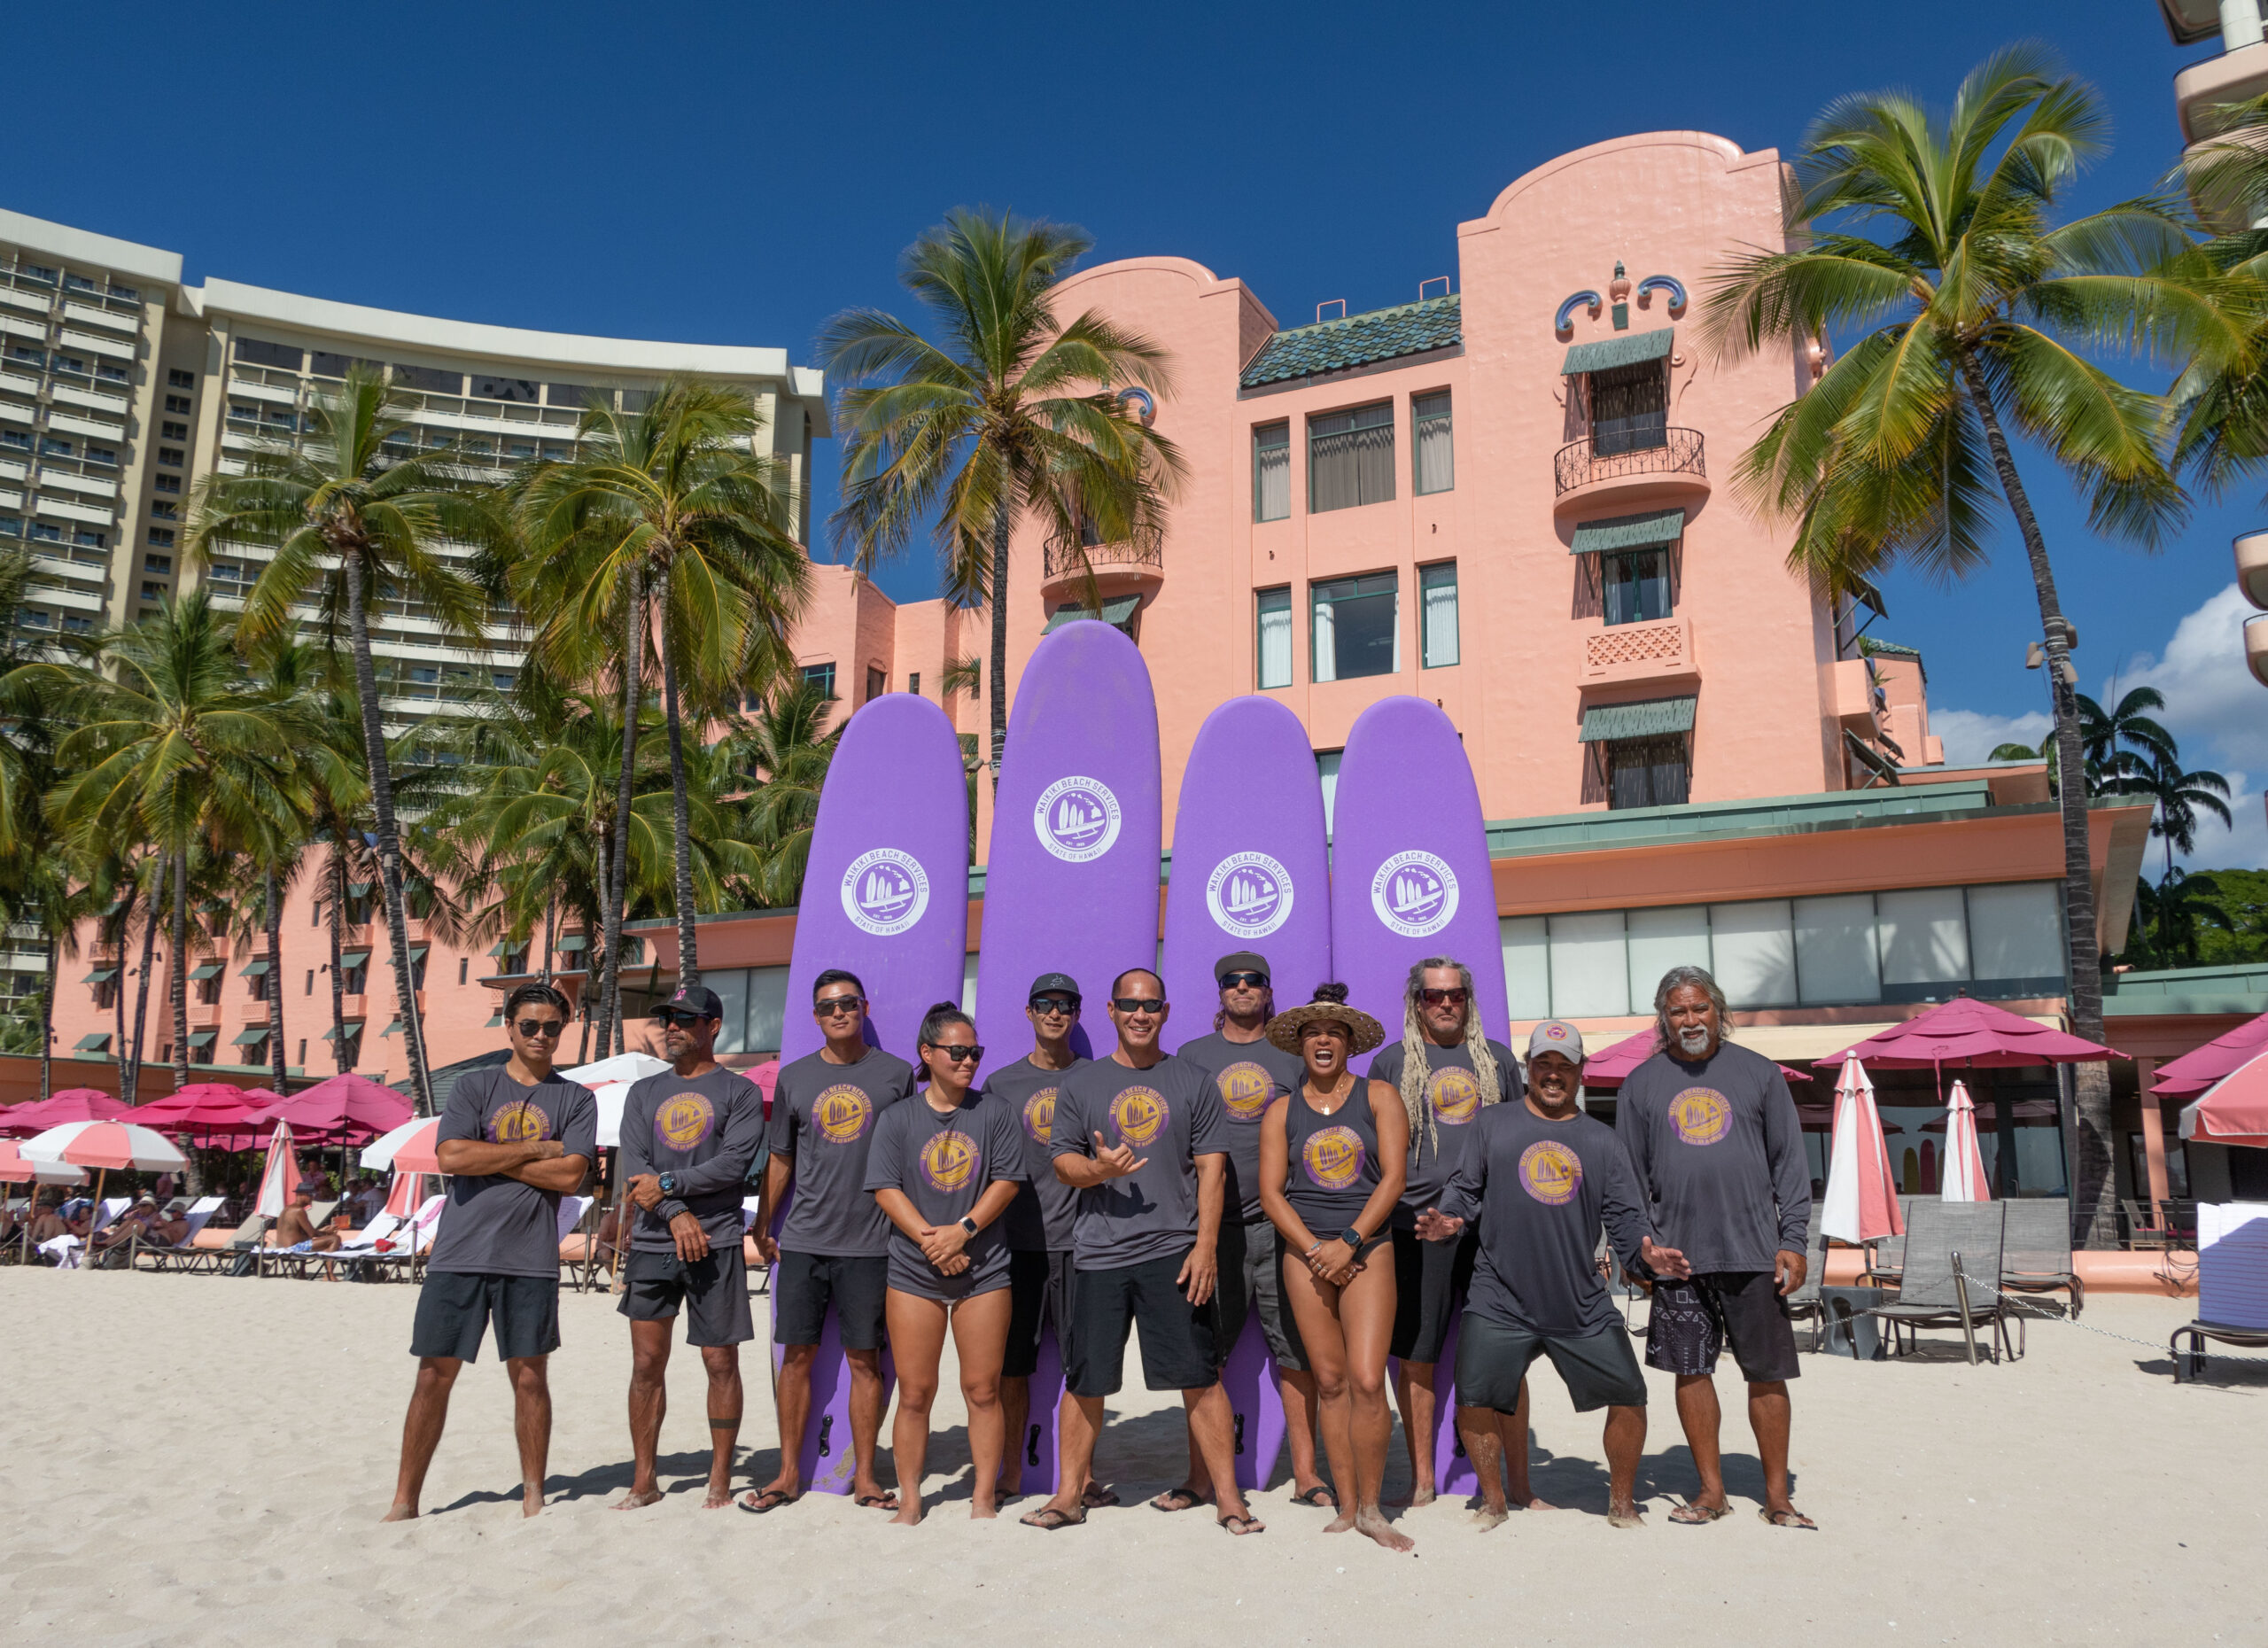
1271,473
1276,638
1436,454
1439,616
1350,458
1326,641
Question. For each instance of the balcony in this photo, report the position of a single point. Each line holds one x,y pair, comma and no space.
1659,651
353,1006
1117,569
1584,478
2232,77
204,1015
255,1015
2252,568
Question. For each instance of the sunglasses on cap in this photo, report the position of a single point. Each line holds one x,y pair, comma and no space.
1054,1003
833,1004
1137,1003
534,1028
1243,981
958,1055
1455,997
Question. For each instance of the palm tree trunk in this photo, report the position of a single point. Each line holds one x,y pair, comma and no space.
47,1024
550,920
177,984
999,702
373,752
616,875
335,916
688,954
118,993
277,1067
141,983
2095,1212
593,991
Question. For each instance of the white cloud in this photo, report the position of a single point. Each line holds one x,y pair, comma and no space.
2220,715
1971,736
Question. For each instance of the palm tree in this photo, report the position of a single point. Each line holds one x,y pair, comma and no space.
1931,237
667,524
352,515
2222,400
786,746
2180,798
1016,415
2174,909
2120,740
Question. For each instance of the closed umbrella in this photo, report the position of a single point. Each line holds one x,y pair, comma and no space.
104,1145
281,1176
1963,1179
1861,1201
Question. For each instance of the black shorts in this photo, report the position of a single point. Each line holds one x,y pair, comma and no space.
1600,1369
456,1306
713,1292
1180,1340
1693,1320
1263,1285
1041,1286
805,1284
1430,1282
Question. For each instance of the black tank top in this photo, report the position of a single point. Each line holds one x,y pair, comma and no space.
1333,1159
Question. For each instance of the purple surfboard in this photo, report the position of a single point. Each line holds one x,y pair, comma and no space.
1251,868
1038,1444
886,896
1409,863
1454,1476
1256,1405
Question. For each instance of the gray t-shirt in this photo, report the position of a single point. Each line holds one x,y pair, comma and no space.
494,1225
1454,1096
944,1164
1249,1075
1719,1153
1168,1115
1541,1192
823,1118
704,1129
1040,1219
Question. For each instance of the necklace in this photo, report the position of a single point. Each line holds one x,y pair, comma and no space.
1338,1099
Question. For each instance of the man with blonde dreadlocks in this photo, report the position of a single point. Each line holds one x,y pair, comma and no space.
1446,1069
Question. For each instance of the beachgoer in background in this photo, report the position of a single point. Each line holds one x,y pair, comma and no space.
296,1226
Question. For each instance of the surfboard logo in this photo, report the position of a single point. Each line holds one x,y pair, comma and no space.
1244,1088
1076,818
885,892
1455,1094
1702,1115
521,1122
1249,895
1333,1157
1551,1172
950,1159
842,1114
682,1122
1139,1114
1414,893
1039,1116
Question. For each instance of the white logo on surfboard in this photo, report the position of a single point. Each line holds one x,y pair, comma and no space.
1249,895
1414,893
1076,818
885,892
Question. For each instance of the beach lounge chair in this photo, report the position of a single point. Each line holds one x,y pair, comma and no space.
1805,1305
215,1251
411,1241
163,1255
1928,1294
298,1260
2036,1257
1885,1254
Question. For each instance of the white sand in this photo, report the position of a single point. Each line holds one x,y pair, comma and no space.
185,1460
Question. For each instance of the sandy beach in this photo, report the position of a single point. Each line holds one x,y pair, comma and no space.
194,1460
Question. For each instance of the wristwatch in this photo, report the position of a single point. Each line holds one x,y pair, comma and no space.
1352,1237
969,1224
668,1184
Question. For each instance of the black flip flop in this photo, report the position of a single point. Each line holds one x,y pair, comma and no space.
1317,1499
1048,1519
770,1500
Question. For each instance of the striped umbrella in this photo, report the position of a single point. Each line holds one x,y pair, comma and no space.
1963,1179
103,1146
279,1177
1861,1201
407,1148
401,1197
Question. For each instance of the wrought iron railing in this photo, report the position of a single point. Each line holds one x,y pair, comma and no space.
1578,464
1070,561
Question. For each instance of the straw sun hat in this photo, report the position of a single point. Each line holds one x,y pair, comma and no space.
1330,1003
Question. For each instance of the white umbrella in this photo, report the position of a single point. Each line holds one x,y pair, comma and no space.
104,1145
1861,1201
1961,1176
416,1135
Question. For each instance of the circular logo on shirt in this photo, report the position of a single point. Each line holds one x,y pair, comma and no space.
1245,1088
842,1114
520,1122
885,892
1249,895
1551,1172
1455,1094
1414,894
1076,818
1039,1114
1333,1157
1702,1115
682,1122
1139,1114
950,1159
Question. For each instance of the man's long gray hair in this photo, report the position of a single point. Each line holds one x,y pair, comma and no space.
1415,1069
1678,978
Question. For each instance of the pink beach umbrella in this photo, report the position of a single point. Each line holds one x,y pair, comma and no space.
104,1145
1606,1068
407,1148
72,1104
1861,1201
16,1167
401,1197
344,1109
1963,1179
2201,1067
281,1176
2232,1111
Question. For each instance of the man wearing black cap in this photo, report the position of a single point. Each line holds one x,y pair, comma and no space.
1250,1073
689,1136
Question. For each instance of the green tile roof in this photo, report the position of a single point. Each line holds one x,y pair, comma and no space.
1629,531
1648,718
1609,352
1356,340
1879,648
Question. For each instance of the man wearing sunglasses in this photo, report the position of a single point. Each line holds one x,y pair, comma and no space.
1141,1138
1250,1073
513,1140
1446,1070
689,1136
835,1248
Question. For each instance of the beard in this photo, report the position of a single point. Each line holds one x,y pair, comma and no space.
1693,1040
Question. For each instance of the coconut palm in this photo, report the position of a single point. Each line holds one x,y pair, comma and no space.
1931,237
2179,797
2222,400
353,515
786,747
1015,415
2121,740
2170,914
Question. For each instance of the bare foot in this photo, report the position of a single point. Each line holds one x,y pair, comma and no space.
531,1501
1489,1516
909,1515
1340,1523
719,1498
983,1511
1372,1521
1624,1514
401,1513
635,1501
1533,1502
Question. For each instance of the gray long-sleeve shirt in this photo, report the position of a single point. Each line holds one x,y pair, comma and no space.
1719,1153
703,1129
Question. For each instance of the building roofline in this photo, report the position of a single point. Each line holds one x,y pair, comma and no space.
83,244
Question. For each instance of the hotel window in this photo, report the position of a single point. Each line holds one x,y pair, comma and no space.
177,403
1275,637
1648,771
178,379
1432,449
821,676
1636,585
167,483
259,353
170,456
1271,472
172,431
1437,614
1358,630
163,564
575,396
1350,458
430,378
521,389
877,684
1629,408
103,454
914,683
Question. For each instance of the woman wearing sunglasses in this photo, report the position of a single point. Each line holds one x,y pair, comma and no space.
1333,1154
942,1171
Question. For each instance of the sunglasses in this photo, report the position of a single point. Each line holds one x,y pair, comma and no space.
1054,1003
958,1055
687,1020
1242,981
1137,1003
835,1004
545,1028
1440,998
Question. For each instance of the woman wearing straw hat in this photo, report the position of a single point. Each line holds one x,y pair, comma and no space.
1333,1154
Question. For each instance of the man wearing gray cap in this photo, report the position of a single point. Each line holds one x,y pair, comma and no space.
1543,1180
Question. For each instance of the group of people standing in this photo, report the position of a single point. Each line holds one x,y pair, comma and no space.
1361,1217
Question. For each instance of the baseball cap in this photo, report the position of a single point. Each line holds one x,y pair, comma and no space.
1243,961
1048,982
1556,1036
700,1000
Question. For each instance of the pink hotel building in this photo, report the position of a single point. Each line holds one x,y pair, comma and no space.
1511,496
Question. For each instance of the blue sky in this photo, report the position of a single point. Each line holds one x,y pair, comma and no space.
736,174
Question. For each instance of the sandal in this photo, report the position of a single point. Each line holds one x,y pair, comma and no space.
1097,1497
1050,1521
1789,1518
770,1499
1177,1499
1692,1515
884,1501
1317,1499
1242,1524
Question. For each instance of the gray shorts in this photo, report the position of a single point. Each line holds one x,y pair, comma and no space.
1600,1370
713,1292
1263,1285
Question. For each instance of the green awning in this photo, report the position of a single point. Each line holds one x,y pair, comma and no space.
1609,352
508,946
1648,719
574,943
202,1038
357,889
349,960
246,1038
100,975
495,1021
1656,531
394,1028
211,969
416,954
253,969
96,1042
1114,612
352,1026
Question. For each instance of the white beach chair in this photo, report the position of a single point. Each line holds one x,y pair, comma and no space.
199,1215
